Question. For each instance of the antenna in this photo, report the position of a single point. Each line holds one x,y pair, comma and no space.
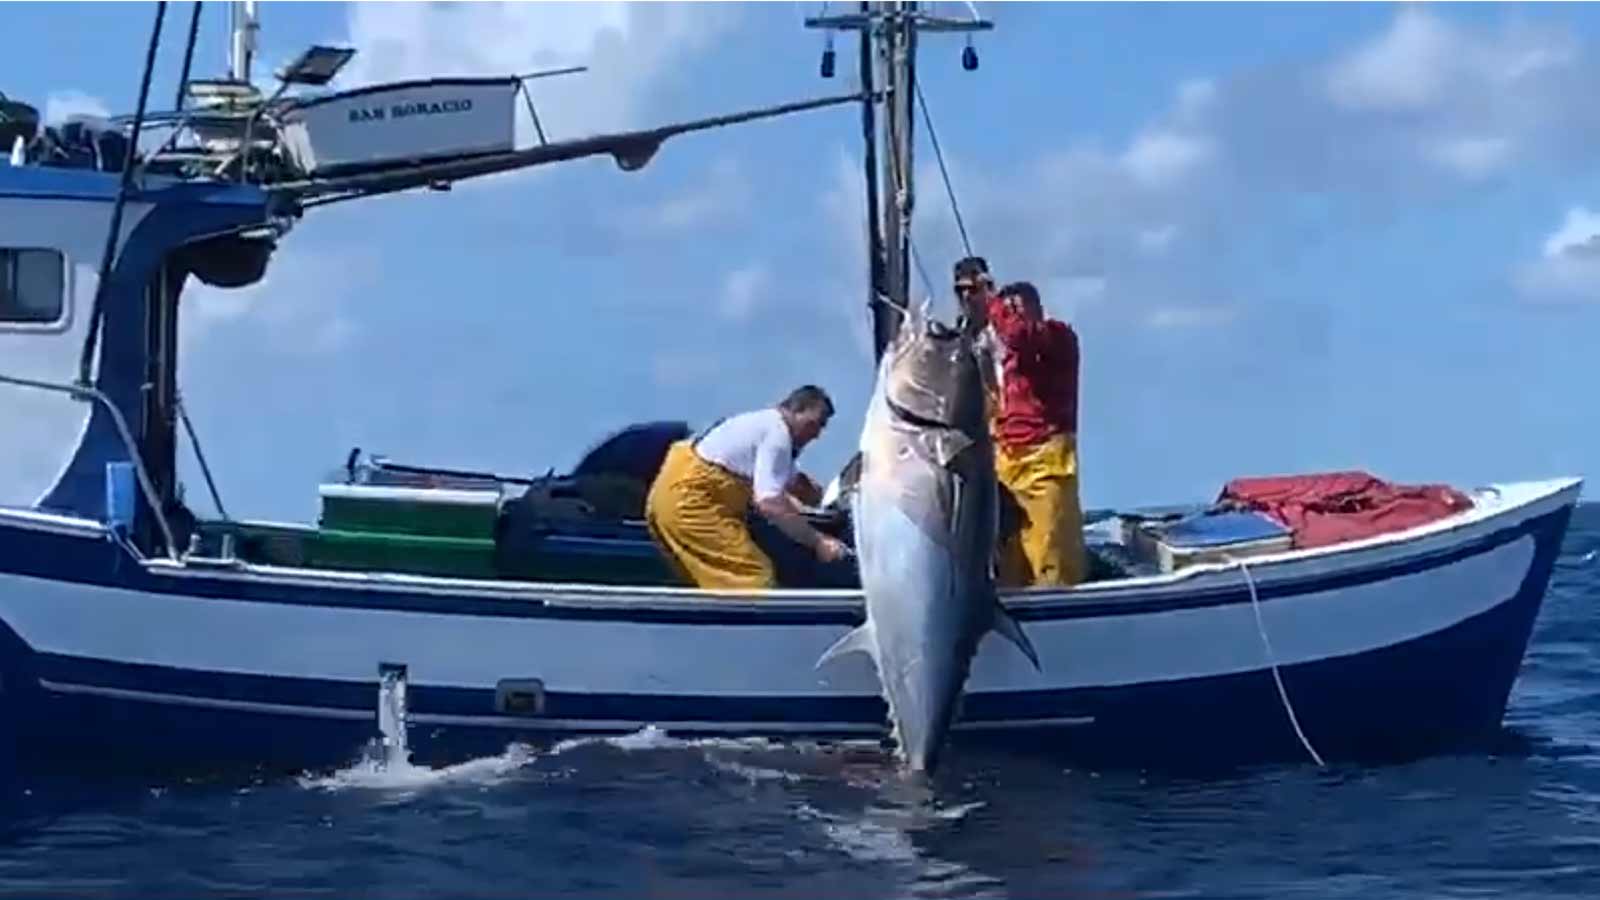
889,33
244,25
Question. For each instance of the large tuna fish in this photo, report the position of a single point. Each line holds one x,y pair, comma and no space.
925,507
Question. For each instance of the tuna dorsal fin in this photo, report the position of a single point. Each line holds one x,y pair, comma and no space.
1008,628
859,640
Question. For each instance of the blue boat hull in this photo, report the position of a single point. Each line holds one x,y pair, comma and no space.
1439,691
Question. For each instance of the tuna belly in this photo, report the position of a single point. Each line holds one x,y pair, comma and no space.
925,615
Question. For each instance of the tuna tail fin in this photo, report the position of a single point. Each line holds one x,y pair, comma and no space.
859,640
1008,628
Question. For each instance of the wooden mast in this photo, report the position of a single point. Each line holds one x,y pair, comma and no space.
889,32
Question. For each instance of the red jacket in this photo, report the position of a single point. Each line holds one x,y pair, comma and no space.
1039,393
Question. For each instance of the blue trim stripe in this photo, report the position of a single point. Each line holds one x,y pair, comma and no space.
448,701
1439,690
81,560
1455,680
35,182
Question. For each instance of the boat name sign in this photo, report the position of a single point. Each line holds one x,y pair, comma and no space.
402,110
406,121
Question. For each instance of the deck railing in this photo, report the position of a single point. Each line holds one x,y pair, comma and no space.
146,486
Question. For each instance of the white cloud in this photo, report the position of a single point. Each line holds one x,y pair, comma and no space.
1196,96
843,280
1405,68
1423,105
1576,235
60,106
677,369
1568,270
1172,317
1156,240
722,195
1423,110
300,307
1472,158
1068,297
1424,60
1161,158
743,290
627,47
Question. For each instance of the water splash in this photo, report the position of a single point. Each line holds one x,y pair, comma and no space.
392,722
386,765
377,772
883,836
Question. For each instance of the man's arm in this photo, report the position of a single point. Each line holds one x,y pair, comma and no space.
1029,338
773,472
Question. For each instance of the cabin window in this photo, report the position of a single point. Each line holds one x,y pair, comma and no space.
33,287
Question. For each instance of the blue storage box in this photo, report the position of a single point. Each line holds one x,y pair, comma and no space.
120,494
1210,537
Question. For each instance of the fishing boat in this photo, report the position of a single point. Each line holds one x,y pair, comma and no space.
504,608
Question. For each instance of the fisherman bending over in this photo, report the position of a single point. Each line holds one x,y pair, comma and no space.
697,504
1035,424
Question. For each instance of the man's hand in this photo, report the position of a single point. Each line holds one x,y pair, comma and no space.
831,549
805,490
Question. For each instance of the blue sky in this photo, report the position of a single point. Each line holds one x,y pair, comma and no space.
1292,237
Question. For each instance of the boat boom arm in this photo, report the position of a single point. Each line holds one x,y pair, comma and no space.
631,149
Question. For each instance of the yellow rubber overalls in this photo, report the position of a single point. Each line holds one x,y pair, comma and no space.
696,513
1048,549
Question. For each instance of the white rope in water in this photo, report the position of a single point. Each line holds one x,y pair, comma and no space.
1272,660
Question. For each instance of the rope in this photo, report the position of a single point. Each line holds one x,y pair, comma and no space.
938,154
916,258
1283,694
194,441
86,361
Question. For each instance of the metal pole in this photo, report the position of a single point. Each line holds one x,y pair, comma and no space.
882,314
905,113
891,30
904,96
188,55
894,176
243,22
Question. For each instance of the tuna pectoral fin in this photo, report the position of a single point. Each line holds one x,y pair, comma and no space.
859,640
1008,628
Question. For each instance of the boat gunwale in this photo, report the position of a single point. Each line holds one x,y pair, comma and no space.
1129,595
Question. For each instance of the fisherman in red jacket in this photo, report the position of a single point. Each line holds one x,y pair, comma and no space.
1035,425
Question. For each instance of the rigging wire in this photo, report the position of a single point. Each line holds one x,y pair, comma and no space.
90,343
188,56
194,443
916,257
944,172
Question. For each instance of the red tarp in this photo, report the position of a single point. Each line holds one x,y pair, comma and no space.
1332,507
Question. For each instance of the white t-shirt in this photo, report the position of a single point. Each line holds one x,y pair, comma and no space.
755,445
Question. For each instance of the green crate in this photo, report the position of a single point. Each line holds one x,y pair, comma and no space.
410,554
560,568
419,511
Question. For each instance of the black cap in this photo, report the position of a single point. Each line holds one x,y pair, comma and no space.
972,265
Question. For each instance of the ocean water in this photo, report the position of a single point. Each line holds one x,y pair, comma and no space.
648,815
